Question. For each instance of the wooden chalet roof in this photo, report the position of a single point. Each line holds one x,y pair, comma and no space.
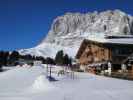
105,42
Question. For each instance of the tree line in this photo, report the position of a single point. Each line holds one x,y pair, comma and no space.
63,59
10,58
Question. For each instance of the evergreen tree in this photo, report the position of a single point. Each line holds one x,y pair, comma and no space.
28,57
59,57
49,61
14,56
41,59
65,60
70,61
33,58
3,59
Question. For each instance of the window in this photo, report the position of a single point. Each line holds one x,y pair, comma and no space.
122,51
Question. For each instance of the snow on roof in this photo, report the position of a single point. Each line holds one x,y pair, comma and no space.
116,39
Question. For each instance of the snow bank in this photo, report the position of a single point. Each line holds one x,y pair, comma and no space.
24,83
41,84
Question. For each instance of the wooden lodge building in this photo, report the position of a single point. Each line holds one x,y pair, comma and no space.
116,50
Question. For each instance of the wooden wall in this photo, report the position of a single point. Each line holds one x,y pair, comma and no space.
94,53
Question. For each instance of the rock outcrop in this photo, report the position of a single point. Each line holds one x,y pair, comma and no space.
69,30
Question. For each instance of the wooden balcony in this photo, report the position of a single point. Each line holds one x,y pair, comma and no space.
118,59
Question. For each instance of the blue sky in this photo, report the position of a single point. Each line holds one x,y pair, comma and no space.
24,23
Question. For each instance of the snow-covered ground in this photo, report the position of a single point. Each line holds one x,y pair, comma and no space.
30,83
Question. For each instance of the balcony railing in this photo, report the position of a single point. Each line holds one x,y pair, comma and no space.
119,58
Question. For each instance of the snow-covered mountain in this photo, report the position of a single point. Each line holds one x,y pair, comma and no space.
68,31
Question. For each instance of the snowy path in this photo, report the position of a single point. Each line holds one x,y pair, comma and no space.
31,84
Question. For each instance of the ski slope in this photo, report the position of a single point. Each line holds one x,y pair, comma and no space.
30,83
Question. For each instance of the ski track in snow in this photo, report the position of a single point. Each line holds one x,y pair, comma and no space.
22,83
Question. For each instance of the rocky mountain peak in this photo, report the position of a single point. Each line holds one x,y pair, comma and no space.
68,31
108,22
